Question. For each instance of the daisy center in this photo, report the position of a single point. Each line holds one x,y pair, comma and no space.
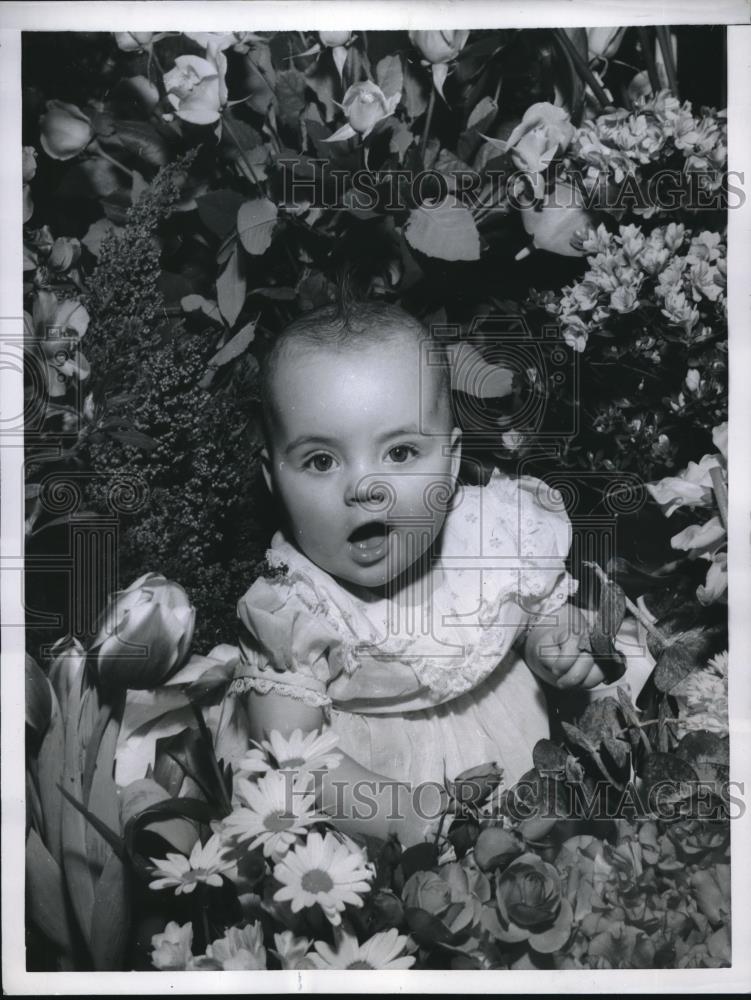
317,881
278,820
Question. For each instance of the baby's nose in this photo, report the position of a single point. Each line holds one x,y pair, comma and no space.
370,490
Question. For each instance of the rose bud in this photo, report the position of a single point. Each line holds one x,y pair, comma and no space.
133,41
145,635
196,87
495,847
529,892
333,38
439,46
65,130
64,253
29,166
365,104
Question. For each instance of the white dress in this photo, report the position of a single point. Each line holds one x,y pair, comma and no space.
416,696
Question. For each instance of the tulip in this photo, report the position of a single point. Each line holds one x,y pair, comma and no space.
145,635
196,87
56,328
364,104
65,130
133,41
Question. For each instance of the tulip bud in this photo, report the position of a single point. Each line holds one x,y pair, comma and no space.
145,635
29,167
38,698
65,130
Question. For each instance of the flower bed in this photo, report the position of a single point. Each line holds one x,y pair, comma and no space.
186,195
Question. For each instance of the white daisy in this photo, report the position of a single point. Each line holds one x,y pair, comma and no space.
205,864
324,872
719,663
252,763
383,951
312,752
240,948
274,811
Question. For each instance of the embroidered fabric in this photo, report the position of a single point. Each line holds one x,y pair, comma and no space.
500,565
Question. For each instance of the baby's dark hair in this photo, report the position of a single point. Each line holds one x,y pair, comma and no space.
347,324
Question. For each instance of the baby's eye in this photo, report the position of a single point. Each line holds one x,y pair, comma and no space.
401,453
321,462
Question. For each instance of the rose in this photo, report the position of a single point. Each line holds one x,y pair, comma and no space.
543,131
133,41
170,950
495,847
29,163
64,253
56,328
427,891
65,130
439,46
196,87
364,104
530,906
145,634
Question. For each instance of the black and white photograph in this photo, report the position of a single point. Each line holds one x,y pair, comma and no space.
373,572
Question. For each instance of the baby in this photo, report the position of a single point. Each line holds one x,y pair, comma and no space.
406,596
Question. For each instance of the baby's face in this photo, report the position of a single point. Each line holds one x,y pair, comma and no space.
363,456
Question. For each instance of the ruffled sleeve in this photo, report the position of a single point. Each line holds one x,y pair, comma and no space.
543,542
287,648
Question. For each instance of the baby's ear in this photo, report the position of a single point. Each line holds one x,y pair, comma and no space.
456,452
266,468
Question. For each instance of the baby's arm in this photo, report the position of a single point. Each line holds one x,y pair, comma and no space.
383,806
558,653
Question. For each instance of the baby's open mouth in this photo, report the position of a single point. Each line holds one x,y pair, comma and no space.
368,543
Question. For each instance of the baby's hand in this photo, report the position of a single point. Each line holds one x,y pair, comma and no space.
559,653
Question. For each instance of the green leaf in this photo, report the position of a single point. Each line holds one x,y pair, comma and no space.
145,793
45,891
110,920
255,224
673,776
230,289
290,95
96,235
446,231
133,438
679,659
482,114
389,75
416,88
209,308
279,293
139,139
218,211
427,929
549,757
113,839
234,347
50,760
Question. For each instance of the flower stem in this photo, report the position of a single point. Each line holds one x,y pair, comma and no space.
665,41
426,131
121,166
241,151
581,66
645,38
721,494
635,611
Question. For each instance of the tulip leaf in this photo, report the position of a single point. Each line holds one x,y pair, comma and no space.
102,797
230,288
50,760
144,793
446,231
256,220
183,808
427,929
114,839
110,921
45,890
